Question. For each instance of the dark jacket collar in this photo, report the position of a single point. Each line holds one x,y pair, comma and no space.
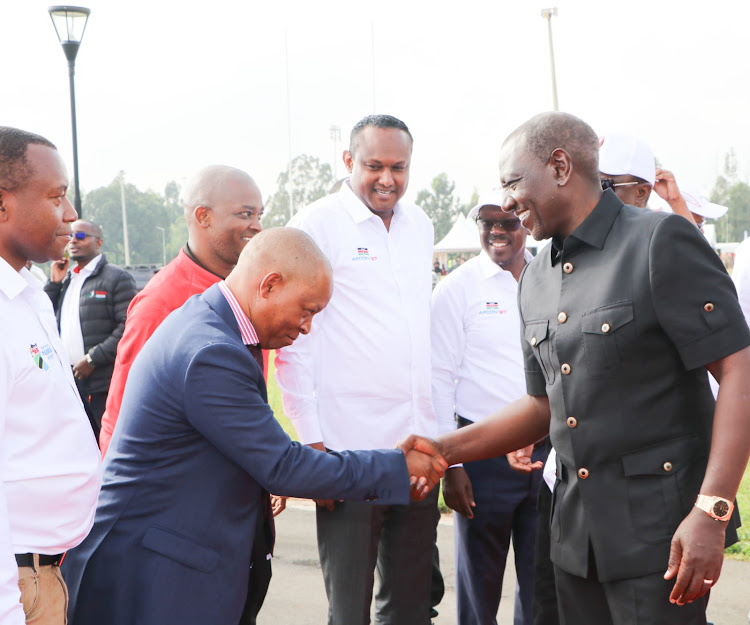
594,229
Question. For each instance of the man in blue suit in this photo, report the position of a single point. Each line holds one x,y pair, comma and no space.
196,442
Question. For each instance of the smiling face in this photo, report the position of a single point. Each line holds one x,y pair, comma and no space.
37,216
501,243
529,188
379,168
234,213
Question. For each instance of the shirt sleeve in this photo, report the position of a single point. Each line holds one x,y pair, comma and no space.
448,341
295,372
693,295
535,382
11,610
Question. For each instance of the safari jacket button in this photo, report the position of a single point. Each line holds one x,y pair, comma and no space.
565,368
708,307
667,466
572,422
583,473
568,267
562,317
533,341
606,328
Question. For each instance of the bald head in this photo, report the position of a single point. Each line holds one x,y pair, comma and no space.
282,279
546,132
223,207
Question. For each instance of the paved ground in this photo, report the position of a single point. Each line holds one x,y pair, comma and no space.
297,595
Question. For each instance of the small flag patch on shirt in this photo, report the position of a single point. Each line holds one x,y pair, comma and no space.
97,294
36,355
362,251
492,306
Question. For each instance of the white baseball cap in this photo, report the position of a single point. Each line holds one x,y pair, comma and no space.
622,154
698,203
493,197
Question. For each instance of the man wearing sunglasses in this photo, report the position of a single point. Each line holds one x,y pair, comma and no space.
91,302
477,368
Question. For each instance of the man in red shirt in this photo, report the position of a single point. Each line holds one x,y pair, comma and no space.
223,207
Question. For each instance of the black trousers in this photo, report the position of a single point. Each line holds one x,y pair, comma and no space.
260,576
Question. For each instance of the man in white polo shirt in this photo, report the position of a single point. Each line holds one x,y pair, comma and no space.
477,368
49,460
361,378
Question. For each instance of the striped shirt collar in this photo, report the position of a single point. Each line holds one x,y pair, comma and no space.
249,337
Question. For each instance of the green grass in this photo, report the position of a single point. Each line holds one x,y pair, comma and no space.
740,551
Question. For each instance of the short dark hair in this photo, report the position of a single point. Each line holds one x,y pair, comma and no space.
546,132
15,169
376,121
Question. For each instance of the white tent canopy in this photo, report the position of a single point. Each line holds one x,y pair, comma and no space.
463,237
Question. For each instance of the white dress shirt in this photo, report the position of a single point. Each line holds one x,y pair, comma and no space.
477,361
49,461
361,378
70,313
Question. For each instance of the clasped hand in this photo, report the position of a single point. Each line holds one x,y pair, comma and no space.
425,463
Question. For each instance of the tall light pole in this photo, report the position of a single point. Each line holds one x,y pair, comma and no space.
125,240
163,246
70,24
547,14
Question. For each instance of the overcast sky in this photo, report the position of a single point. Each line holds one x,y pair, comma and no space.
165,87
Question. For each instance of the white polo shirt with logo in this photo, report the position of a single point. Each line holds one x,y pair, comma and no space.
361,378
50,469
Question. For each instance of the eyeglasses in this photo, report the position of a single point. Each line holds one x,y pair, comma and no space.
508,225
82,235
609,183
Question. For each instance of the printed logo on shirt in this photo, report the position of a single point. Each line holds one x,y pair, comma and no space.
96,294
41,355
492,308
363,254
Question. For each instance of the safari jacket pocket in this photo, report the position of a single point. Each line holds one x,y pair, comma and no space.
602,330
656,479
536,334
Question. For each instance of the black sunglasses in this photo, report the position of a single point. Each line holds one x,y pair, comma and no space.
609,183
508,225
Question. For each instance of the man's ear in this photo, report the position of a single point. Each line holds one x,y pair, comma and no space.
202,216
99,243
561,164
643,191
348,160
270,282
4,212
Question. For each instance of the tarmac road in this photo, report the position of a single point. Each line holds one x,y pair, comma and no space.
297,595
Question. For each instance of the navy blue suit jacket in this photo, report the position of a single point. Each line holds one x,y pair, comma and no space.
194,444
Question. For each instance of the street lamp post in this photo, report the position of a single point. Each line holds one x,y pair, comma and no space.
547,14
125,240
70,24
163,246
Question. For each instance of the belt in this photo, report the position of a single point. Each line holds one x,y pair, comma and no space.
27,559
462,422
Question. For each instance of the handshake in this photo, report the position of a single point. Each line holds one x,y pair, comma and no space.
425,463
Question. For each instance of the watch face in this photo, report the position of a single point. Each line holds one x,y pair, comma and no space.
721,508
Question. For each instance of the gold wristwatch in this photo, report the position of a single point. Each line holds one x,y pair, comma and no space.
716,507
